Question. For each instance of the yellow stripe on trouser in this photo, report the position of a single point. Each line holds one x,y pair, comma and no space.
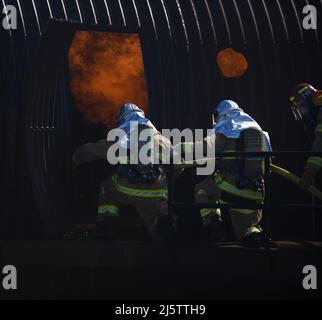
317,161
160,194
207,212
244,193
108,210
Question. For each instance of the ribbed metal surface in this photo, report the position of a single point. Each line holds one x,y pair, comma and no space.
180,41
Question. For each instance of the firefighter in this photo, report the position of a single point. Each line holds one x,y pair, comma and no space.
236,180
307,107
138,185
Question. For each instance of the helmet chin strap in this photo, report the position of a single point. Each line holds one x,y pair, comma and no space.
309,121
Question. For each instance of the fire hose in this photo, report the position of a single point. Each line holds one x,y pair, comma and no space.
276,169
295,179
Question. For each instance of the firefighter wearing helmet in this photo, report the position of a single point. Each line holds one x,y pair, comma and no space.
143,186
307,107
236,180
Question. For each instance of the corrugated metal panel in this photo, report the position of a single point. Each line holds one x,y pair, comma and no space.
180,41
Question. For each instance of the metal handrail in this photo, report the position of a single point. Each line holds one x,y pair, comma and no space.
270,154
267,176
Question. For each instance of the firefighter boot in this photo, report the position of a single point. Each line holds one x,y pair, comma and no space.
254,239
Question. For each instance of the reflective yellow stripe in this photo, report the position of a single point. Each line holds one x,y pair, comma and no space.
302,90
108,210
318,128
317,161
233,158
206,212
229,158
255,229
244,193
161,193
187,147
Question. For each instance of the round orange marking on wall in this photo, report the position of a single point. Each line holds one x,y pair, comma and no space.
231,63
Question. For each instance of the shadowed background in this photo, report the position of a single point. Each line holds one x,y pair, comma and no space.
42,119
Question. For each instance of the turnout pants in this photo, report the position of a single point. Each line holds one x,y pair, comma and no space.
150,200
244,221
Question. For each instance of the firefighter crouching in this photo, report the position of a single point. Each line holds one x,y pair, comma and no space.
143,186
236,180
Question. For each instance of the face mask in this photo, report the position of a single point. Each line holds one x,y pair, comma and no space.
300,112
121,117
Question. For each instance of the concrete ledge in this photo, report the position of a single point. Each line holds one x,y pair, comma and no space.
137,270
284,258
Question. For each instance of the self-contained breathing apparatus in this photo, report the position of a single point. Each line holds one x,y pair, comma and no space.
140,173
250,170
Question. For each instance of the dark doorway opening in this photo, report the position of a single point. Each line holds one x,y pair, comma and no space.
80,77
106,70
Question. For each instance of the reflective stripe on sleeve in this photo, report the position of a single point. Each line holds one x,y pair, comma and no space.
229,158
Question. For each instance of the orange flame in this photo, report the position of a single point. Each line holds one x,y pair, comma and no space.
231,63
106,71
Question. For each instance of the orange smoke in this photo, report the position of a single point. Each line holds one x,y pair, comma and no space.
106,71
232,64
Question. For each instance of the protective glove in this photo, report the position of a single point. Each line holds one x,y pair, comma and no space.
307,178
